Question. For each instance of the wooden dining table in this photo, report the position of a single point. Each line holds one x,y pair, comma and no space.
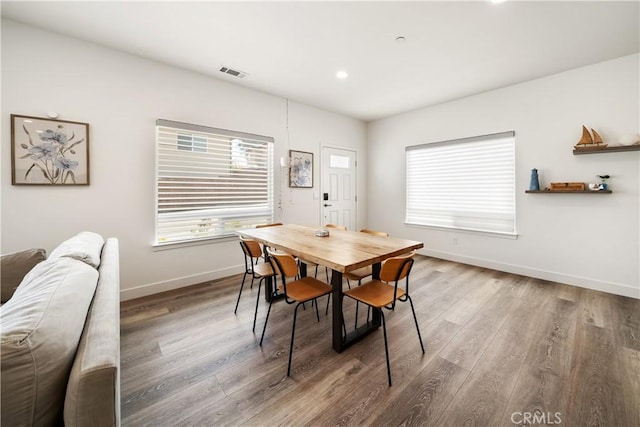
342,252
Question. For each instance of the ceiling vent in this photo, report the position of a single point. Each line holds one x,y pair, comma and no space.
232,72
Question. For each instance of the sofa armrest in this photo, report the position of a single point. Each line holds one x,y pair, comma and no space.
13,268
93,390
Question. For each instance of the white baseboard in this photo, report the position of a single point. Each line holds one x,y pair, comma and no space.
180,282
582,282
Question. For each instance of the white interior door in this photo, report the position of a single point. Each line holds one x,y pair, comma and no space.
338,193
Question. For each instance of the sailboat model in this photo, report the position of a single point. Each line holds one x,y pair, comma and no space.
587,141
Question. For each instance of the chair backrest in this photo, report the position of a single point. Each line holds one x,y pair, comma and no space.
275,224
374,232
250,247
397,268
285,264
337,227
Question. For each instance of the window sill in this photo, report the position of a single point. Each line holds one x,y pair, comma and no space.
511,236
208,241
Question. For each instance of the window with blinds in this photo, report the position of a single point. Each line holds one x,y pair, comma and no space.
210,182
466,184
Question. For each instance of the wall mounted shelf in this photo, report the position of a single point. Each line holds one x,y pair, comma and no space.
568,192
614,149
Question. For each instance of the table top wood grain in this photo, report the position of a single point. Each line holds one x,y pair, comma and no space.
341,251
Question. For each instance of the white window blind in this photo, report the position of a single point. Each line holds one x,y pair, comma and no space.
210,182
463,184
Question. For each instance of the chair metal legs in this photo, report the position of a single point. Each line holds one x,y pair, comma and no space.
386,346
240,293
293,330
266,320
416,320
255,314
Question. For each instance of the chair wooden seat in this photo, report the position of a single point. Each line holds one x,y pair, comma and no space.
375,293
306,289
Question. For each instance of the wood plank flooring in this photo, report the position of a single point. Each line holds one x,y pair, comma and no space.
497,347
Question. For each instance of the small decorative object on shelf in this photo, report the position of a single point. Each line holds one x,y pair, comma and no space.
603,181
535,183
566,186
587,141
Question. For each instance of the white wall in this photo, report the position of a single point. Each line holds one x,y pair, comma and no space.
121,96
586,240
309,130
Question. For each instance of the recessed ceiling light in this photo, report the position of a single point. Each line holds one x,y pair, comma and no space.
401,39
342,75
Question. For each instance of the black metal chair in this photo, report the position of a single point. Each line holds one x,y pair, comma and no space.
379,294
252,266
296,292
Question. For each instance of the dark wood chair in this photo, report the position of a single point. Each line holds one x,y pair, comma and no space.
297,291
384,293
252,266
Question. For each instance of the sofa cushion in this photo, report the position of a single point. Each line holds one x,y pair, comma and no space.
93,391
40,330
13,268
85,246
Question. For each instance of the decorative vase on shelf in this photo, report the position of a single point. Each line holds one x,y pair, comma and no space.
534,185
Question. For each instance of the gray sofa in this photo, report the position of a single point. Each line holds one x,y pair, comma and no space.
60,335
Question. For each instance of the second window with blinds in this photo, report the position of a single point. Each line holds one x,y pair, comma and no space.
463,184
210,182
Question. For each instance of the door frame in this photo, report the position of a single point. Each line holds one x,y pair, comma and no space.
321,186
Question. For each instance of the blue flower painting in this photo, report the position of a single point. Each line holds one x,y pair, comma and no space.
301,172
49,151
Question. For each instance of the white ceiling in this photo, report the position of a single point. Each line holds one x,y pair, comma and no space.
293,49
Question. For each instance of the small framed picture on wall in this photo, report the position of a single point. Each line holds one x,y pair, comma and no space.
301,169
49,152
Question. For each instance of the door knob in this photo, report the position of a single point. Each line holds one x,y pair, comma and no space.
325,205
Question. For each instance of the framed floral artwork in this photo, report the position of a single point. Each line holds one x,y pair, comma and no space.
301,170
49,152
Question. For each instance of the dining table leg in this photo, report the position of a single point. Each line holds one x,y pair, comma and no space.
336,312
341,343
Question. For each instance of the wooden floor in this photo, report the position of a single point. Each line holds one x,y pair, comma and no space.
501,349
